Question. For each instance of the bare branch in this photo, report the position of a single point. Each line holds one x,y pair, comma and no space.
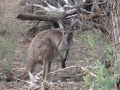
50,8
94,75
103,28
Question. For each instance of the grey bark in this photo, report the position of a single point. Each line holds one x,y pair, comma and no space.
116,34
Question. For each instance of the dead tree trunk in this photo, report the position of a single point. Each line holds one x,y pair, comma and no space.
116,34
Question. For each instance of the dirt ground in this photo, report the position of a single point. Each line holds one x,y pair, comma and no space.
69,79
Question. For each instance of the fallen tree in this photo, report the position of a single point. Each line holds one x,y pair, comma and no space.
90,14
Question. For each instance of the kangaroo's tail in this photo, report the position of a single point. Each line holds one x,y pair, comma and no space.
11,78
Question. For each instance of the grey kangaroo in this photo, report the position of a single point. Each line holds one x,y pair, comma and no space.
45,47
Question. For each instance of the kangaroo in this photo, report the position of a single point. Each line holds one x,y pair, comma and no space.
45,47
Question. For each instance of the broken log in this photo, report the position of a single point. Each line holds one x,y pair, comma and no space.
40,18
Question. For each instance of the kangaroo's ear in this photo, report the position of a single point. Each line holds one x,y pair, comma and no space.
73,23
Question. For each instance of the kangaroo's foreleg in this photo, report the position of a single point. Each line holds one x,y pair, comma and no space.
64,60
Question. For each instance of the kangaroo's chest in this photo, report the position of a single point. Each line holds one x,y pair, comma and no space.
66,46
66,42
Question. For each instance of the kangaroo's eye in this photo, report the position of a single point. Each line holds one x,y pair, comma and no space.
64,32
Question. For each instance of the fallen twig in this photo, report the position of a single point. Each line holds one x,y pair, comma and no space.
63,69
84,69
50,84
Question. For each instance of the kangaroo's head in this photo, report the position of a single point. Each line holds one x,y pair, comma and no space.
67,37
70,28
